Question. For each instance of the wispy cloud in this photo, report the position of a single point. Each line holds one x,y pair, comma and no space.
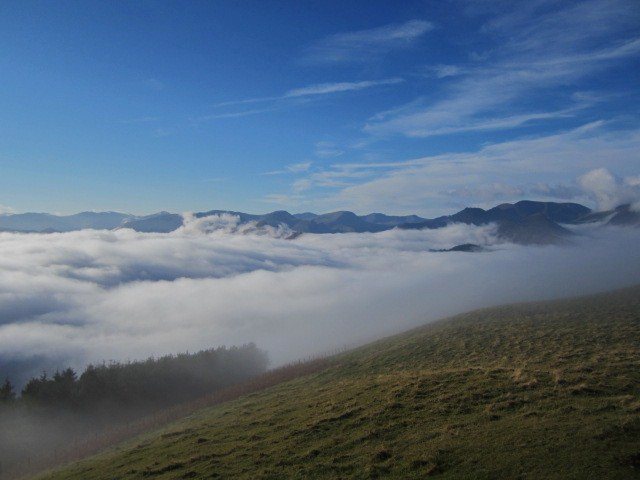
490,193
325,88
316,90
146,119
444,71
300,167
420,125
4,210
243,113
301,185
433,185
327,150
277,102
557,191
366,45
534,56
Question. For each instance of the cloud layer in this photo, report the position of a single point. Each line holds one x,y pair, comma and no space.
95,295
366,45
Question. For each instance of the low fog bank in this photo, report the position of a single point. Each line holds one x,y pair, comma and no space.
70,414
73,298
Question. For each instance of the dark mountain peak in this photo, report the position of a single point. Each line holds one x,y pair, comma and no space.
391,220
305,215
558,212
345,221
504,206
430,224
161,222
46,222
465,247
339,215
624,215
527,204
536,229
280,215
473,210
524,222
470,215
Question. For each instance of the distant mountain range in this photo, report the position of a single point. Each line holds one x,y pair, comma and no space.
46,222
524,222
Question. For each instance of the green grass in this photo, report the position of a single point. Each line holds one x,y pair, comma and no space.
546,390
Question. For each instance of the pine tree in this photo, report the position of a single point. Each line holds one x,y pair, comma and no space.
6,392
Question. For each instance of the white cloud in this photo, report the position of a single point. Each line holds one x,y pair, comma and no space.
318,89
336,87
299,167
366,45
327,150
423,124
424,185
5,210
490,191
88,296
610,191
301,185
557,191
243,113
444,71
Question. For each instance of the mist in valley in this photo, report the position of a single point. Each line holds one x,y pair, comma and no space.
72,299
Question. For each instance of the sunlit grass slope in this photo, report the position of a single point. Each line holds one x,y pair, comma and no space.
545,390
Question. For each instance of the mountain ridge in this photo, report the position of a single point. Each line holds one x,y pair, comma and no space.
526,221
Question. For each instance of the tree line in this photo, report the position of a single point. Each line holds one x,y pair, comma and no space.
152,383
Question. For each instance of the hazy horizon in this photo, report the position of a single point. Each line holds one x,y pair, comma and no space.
600,190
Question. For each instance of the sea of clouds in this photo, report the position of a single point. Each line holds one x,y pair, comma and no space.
88,296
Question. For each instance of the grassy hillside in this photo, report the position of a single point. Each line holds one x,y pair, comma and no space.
548,390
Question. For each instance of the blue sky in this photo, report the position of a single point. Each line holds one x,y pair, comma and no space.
402,107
